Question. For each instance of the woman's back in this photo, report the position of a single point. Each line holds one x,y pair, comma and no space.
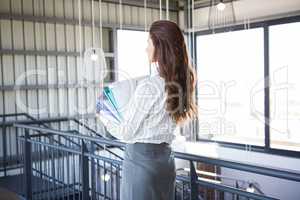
158,126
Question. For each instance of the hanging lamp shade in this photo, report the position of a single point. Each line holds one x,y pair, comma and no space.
221,14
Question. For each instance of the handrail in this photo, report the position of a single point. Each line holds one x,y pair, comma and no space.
31,121
12,122
85,137
42,121
74,151
85,126
103,148
12,115
228,189
263,170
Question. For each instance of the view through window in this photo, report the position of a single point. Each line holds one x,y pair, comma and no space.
132,57
285,86
230,69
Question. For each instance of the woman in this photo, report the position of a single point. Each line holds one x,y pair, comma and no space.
159,103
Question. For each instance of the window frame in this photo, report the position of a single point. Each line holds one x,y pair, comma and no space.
266,148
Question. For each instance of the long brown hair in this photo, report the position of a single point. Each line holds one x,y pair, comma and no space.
170,53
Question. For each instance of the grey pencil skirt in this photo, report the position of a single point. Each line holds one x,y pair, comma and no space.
148,172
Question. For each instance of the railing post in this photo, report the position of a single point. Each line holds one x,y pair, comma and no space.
4,140
27,166
93,173
118,182
237,197
193,184
84,172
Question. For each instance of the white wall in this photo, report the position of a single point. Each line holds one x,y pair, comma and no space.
31,35
64,91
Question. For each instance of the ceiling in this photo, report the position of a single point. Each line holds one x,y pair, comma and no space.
174,5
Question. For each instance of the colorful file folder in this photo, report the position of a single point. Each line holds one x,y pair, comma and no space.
114,100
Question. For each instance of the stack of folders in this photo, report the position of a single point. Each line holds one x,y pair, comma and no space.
115,99
107,106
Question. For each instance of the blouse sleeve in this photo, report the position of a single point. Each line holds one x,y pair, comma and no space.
145,96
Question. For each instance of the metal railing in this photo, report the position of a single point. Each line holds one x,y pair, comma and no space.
66,172
85,173
9,152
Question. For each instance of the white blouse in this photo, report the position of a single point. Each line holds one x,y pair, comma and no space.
147,120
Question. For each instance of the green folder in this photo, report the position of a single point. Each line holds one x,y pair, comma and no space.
109,94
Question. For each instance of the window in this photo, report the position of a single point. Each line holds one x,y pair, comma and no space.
132,57
230,69
284,45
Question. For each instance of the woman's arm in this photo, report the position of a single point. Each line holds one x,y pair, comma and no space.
145,96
